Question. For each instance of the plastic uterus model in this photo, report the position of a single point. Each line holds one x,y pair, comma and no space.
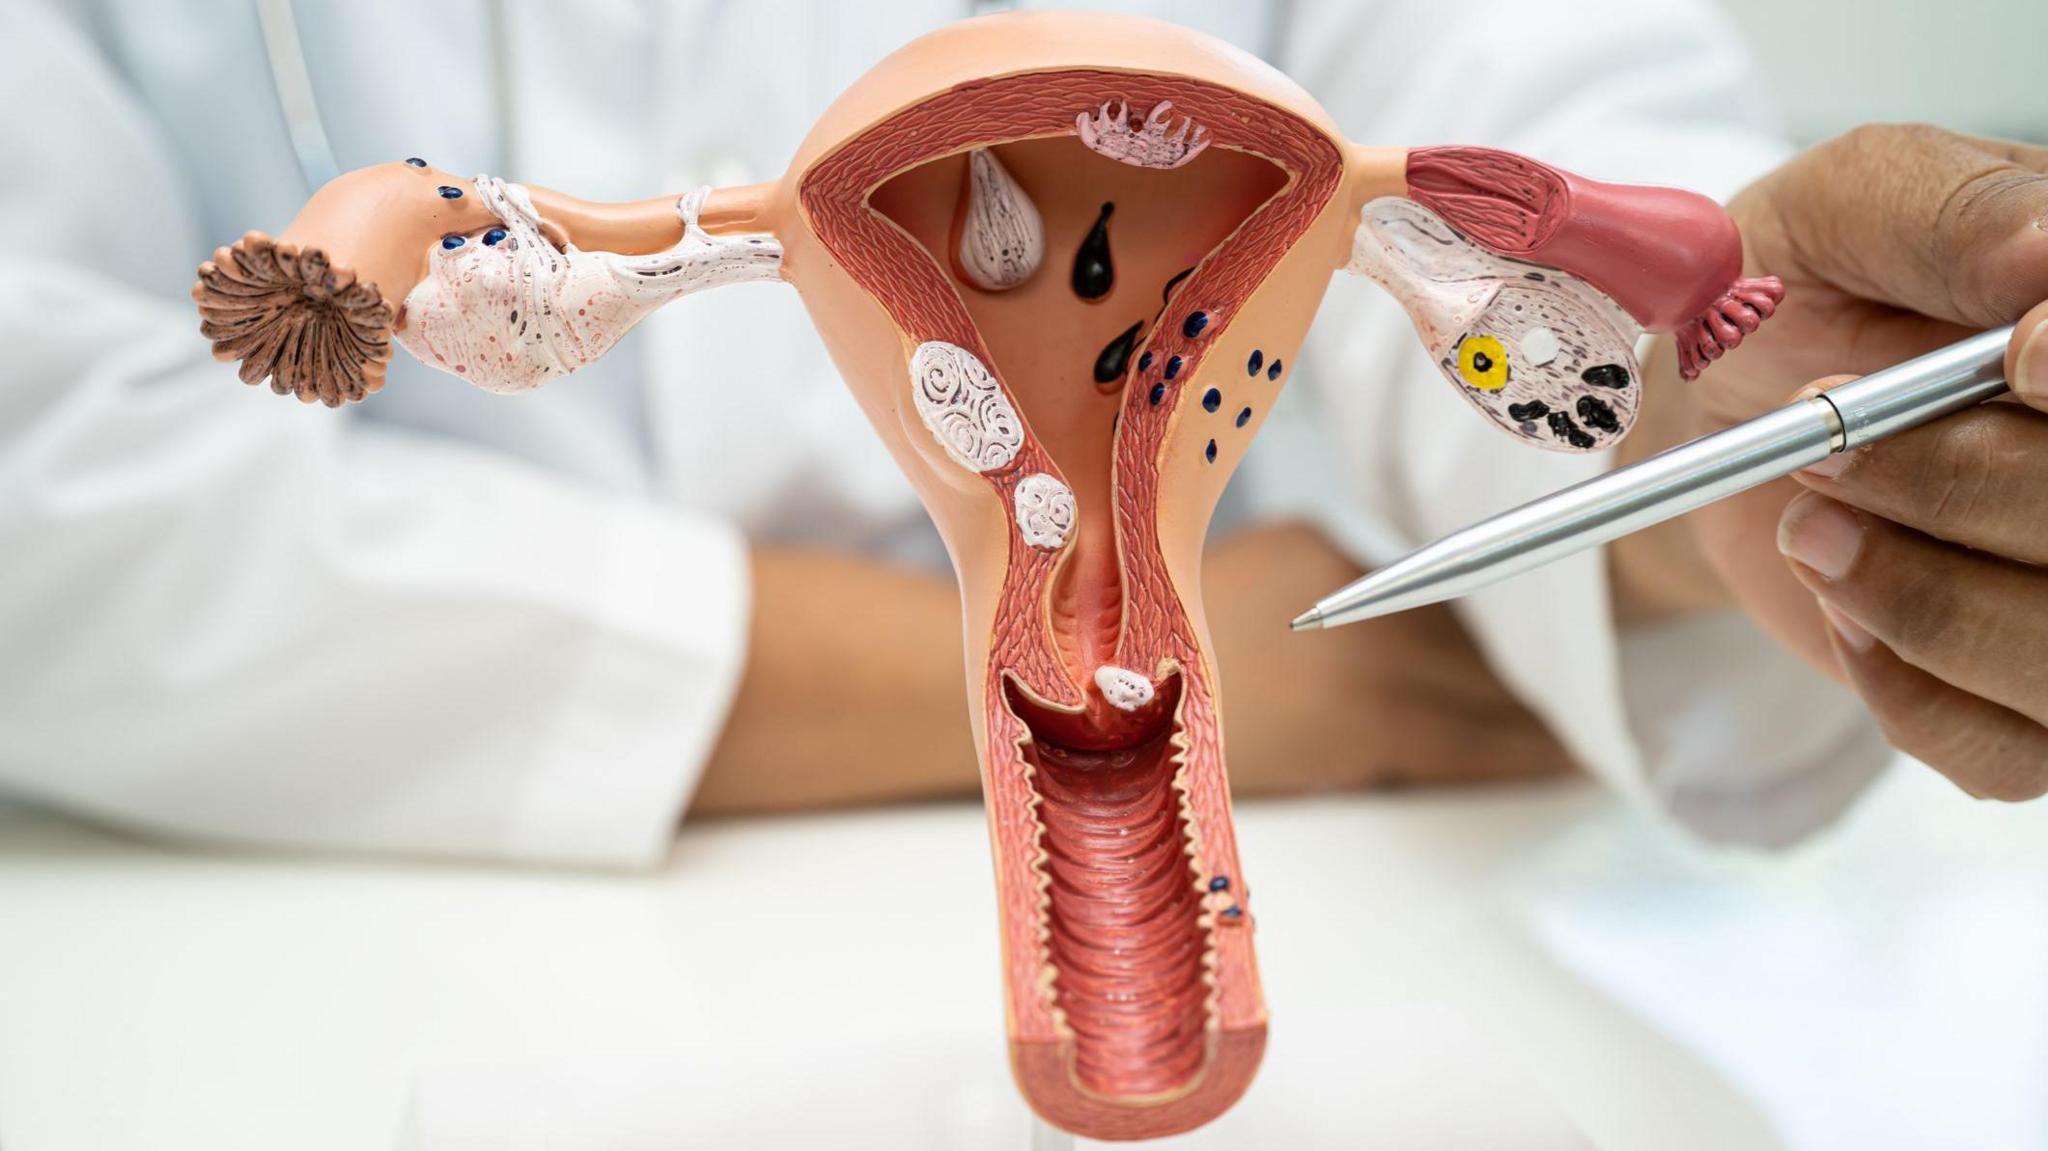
1064,262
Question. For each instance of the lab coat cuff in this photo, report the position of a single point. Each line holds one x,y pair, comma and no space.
642,709
1742,744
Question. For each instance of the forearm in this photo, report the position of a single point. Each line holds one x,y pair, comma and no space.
1405,699
852,691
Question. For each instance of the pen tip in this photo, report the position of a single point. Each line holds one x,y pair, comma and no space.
1309,620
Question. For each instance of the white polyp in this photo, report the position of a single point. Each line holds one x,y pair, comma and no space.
1125,689
1045,510
1539,346
510,316
1148,145
1002,239
964,407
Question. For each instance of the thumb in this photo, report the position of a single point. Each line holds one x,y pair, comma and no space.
1949,226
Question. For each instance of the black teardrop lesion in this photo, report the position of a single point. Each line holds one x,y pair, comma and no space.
1166,293
1528,413
1115,356
1094,269
1606,376
1563,428
1597,415
1212,399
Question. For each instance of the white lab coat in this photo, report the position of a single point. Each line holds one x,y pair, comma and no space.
449,622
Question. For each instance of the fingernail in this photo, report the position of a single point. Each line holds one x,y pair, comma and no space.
1852,633
2032,368
1820,533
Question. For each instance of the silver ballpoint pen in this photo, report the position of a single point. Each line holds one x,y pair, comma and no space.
1676,481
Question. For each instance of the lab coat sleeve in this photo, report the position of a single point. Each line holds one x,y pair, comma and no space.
224,615
1707,721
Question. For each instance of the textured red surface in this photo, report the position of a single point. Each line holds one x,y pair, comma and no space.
1140,1025
1670,258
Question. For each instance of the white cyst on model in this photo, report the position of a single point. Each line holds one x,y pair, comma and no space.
963,407
1125,689
1002,239
1045,510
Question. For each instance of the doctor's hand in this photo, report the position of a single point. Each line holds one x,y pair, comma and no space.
1911,570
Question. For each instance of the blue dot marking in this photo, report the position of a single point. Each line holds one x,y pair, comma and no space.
1244,417
1273,370
1210,451
1145,362
451,241
1233,912
1194,324
1211,400
493,237
449,192
1258,360
415,161
1158,394
1172,366
1220,883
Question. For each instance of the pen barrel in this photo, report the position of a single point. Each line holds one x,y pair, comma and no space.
1593,512
1680,480
1887,402
1664,486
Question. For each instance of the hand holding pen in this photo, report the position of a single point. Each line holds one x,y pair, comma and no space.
1912,566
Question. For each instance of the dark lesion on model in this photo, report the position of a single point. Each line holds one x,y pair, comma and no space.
1597,415
1606,376
1115,357
1563,428
1094,269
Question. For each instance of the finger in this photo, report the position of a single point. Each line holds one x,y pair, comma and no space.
2026,358
1940,224
1990,751
1978,478
1975,621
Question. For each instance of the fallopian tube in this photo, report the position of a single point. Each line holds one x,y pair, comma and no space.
1069,429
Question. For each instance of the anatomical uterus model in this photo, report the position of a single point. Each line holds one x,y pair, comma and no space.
1064,262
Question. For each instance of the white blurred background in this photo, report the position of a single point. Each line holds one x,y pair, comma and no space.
1972,65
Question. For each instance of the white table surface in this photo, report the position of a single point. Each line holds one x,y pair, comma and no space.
1530,967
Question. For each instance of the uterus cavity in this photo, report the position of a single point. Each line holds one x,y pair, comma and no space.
507,310
1154,143
1001,237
